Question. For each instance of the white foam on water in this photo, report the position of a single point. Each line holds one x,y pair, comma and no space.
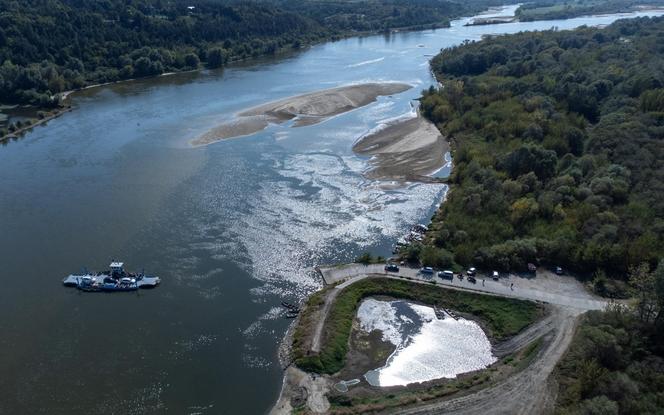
320,205
380,315
439,349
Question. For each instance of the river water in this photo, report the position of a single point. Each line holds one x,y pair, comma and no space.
232,228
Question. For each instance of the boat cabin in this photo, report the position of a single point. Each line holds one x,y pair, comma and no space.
116,269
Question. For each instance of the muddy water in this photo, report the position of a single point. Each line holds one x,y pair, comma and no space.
232,228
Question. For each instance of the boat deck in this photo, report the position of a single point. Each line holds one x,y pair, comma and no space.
145,282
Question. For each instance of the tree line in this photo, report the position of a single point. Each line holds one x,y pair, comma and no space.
51,46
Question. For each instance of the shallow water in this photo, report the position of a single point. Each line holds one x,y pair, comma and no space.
231,228
426,348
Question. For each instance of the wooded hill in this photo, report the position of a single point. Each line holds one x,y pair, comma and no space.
50,46
559,157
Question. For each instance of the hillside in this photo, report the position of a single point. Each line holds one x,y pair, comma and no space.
47,47
559,155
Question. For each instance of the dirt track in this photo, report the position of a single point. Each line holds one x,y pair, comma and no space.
527,392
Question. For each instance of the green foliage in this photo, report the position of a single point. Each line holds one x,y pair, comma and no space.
217,57
559,156
504,316
436,257
47,47
366,259
614,366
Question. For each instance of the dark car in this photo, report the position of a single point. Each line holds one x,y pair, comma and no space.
446,275
391,268
426,270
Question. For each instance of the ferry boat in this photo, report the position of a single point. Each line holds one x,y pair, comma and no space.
116,279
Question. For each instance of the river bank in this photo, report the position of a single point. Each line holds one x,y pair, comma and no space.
52,114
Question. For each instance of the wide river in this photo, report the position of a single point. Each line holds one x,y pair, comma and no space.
232,228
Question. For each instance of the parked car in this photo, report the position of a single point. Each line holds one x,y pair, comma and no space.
446,275
471,271
391,268
426,270
495,275
559,271
532,267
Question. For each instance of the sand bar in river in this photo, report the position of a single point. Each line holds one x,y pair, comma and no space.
307,109
409,149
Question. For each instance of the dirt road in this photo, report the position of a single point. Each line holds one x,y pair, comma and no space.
527,392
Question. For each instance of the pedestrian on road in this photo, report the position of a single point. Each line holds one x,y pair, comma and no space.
482,282
512,287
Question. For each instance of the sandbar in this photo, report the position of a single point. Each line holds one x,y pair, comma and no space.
409,149
304,110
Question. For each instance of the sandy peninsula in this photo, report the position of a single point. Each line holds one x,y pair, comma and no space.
307,109
409,149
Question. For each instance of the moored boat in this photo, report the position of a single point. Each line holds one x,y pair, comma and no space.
116,279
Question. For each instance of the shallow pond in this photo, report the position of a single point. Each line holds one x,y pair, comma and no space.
426,348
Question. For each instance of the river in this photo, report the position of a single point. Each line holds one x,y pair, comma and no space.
232,228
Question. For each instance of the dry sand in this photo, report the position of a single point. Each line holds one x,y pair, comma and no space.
307,109
405,150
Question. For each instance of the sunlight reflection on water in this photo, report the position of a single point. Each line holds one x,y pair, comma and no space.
427,348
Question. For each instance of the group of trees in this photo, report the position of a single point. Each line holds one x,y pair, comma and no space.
559,155
615,364
50,46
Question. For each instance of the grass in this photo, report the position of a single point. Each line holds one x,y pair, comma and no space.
503,317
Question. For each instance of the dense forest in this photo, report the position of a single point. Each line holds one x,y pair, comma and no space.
50,46
574,8
559,151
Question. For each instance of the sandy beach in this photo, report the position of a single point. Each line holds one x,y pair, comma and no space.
307,109
405,150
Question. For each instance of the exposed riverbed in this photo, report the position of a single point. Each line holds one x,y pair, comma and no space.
232,228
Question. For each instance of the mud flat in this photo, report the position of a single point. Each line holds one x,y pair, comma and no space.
404,150
307,109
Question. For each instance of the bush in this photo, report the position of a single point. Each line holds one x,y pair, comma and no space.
436,257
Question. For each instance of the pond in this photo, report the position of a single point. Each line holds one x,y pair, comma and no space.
427,348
